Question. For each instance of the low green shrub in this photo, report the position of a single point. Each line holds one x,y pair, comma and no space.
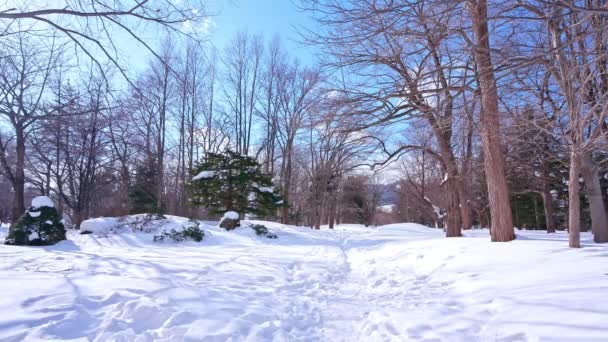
190,231
261,230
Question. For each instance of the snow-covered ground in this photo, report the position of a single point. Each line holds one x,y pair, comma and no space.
402,282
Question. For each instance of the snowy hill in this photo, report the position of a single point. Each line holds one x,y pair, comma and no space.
393,283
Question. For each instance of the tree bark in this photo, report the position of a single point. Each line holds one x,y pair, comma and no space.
498,192
548,209
453,224
599,221
574,207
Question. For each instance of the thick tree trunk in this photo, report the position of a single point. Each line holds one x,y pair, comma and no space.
599,221
574,206
453,224
498,191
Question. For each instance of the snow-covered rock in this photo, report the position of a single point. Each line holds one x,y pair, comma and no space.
42,201
230,220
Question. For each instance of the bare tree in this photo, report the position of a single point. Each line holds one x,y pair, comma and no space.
243,67
577,63
92,25
498,191
25,70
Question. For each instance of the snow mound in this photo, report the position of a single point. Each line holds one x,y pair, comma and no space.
101,226
42,201
231,215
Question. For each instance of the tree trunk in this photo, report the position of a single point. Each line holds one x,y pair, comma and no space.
286,182
332,210
19,176
599,222
548,208
498,192
453,227
548,202
465,207
574,206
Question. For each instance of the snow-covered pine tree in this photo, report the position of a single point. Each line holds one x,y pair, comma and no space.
142,194
40,225
229,181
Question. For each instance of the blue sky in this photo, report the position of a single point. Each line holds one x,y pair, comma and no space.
268,17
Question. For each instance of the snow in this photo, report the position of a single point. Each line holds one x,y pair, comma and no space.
100,225
34,213
231,215
438,212
42,201
48,222
265,189
387,208
204,174
400,282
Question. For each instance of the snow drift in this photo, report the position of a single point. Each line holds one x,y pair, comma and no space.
401,282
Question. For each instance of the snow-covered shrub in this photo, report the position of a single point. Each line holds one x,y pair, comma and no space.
261,230
146,223
230,220
190,231
40,225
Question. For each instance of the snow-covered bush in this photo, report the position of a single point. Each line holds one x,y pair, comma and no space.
146,223
40,225
261,230
190,231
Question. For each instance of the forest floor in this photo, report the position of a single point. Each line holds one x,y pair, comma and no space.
402,282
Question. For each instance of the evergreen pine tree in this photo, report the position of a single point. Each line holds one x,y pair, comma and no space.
232,182
142,194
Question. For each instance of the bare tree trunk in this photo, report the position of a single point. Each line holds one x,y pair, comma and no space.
548,208
599,222
498,191
19,176
286,184
465,207
547,201
453,223
332,209
574,207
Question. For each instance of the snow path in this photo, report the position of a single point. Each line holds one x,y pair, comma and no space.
400,282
